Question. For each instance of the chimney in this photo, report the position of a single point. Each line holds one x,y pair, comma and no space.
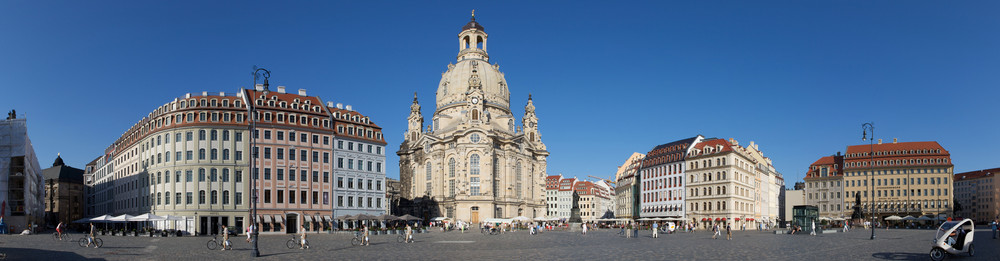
329,104
205,93
281,89
188,95
894,140
223,94
879,141
348,107
259,87
340,105
302,92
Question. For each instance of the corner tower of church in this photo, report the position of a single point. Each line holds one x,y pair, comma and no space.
473,161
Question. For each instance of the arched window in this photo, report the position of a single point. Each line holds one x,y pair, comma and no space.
475,115
517,180
474,164
451,168
215,197
428,171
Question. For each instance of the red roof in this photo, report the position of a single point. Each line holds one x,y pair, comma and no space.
901,146
828,160
976,174
726,146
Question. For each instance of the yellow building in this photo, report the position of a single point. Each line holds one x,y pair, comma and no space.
908,178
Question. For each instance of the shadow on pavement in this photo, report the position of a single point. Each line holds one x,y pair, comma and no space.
900,256
39,254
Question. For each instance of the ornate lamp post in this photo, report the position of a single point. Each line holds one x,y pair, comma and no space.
252,113
865,129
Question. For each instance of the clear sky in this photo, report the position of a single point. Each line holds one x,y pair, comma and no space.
608,77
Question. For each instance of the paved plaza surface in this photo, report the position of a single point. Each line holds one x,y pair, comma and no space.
603,244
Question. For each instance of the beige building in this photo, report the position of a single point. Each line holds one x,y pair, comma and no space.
473,162
978,195
626,190
824,187
904,178
724,185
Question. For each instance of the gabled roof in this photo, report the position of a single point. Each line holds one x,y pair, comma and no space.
900,146
726,146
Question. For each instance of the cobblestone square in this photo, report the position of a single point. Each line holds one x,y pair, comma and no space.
603,244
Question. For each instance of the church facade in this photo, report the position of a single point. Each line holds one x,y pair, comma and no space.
473,161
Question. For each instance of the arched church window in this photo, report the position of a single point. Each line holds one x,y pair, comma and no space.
474,164
428,171
451,168
475,115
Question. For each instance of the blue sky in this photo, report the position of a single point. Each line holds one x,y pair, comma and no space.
608,79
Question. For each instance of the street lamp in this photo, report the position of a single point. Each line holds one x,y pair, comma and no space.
251,113
865,128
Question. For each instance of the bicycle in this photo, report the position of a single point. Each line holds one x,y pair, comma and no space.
84,242
56,236
295,242
215,242
357,240
404,239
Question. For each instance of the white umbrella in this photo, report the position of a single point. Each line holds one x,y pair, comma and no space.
522,218
893,218
146,217
122,218
173,218
104,218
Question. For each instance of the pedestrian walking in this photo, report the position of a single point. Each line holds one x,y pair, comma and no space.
249,231
584,228
655,226
59,229
993,226
90,237
729,232
302,236
715,232
813,232
225,238
364,234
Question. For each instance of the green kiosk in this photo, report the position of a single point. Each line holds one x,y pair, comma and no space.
804,216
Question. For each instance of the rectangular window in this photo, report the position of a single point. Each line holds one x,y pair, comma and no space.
291,154
280,175
326,157
239,198
291,197
188,176
238,176
281,196
189,155
267,196
178,156
267,134
280,153
378,185
315,198
326,140
267,153
340,144
326,198
326,177
238,136
291,175
189,198
315,176
303,173
303,137
340,201
350,201
340,163
350,164
267,173
302,155
369,184
281,135
315,138
350,183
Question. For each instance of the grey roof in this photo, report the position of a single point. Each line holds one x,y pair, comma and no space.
63,173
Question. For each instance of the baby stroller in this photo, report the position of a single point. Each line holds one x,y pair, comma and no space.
953,237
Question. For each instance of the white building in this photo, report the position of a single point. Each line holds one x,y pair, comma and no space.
21,184
360,165
661,179
626,190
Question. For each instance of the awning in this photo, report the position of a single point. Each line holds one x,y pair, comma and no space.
266,218
279,219
327,218
307,218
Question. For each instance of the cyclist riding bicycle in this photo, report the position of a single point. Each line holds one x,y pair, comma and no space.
59,229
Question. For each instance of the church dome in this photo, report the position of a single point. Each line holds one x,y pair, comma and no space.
473,24
456,82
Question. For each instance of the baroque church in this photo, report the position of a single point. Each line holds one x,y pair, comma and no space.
473,161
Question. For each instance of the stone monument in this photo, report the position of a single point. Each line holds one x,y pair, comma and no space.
574,218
